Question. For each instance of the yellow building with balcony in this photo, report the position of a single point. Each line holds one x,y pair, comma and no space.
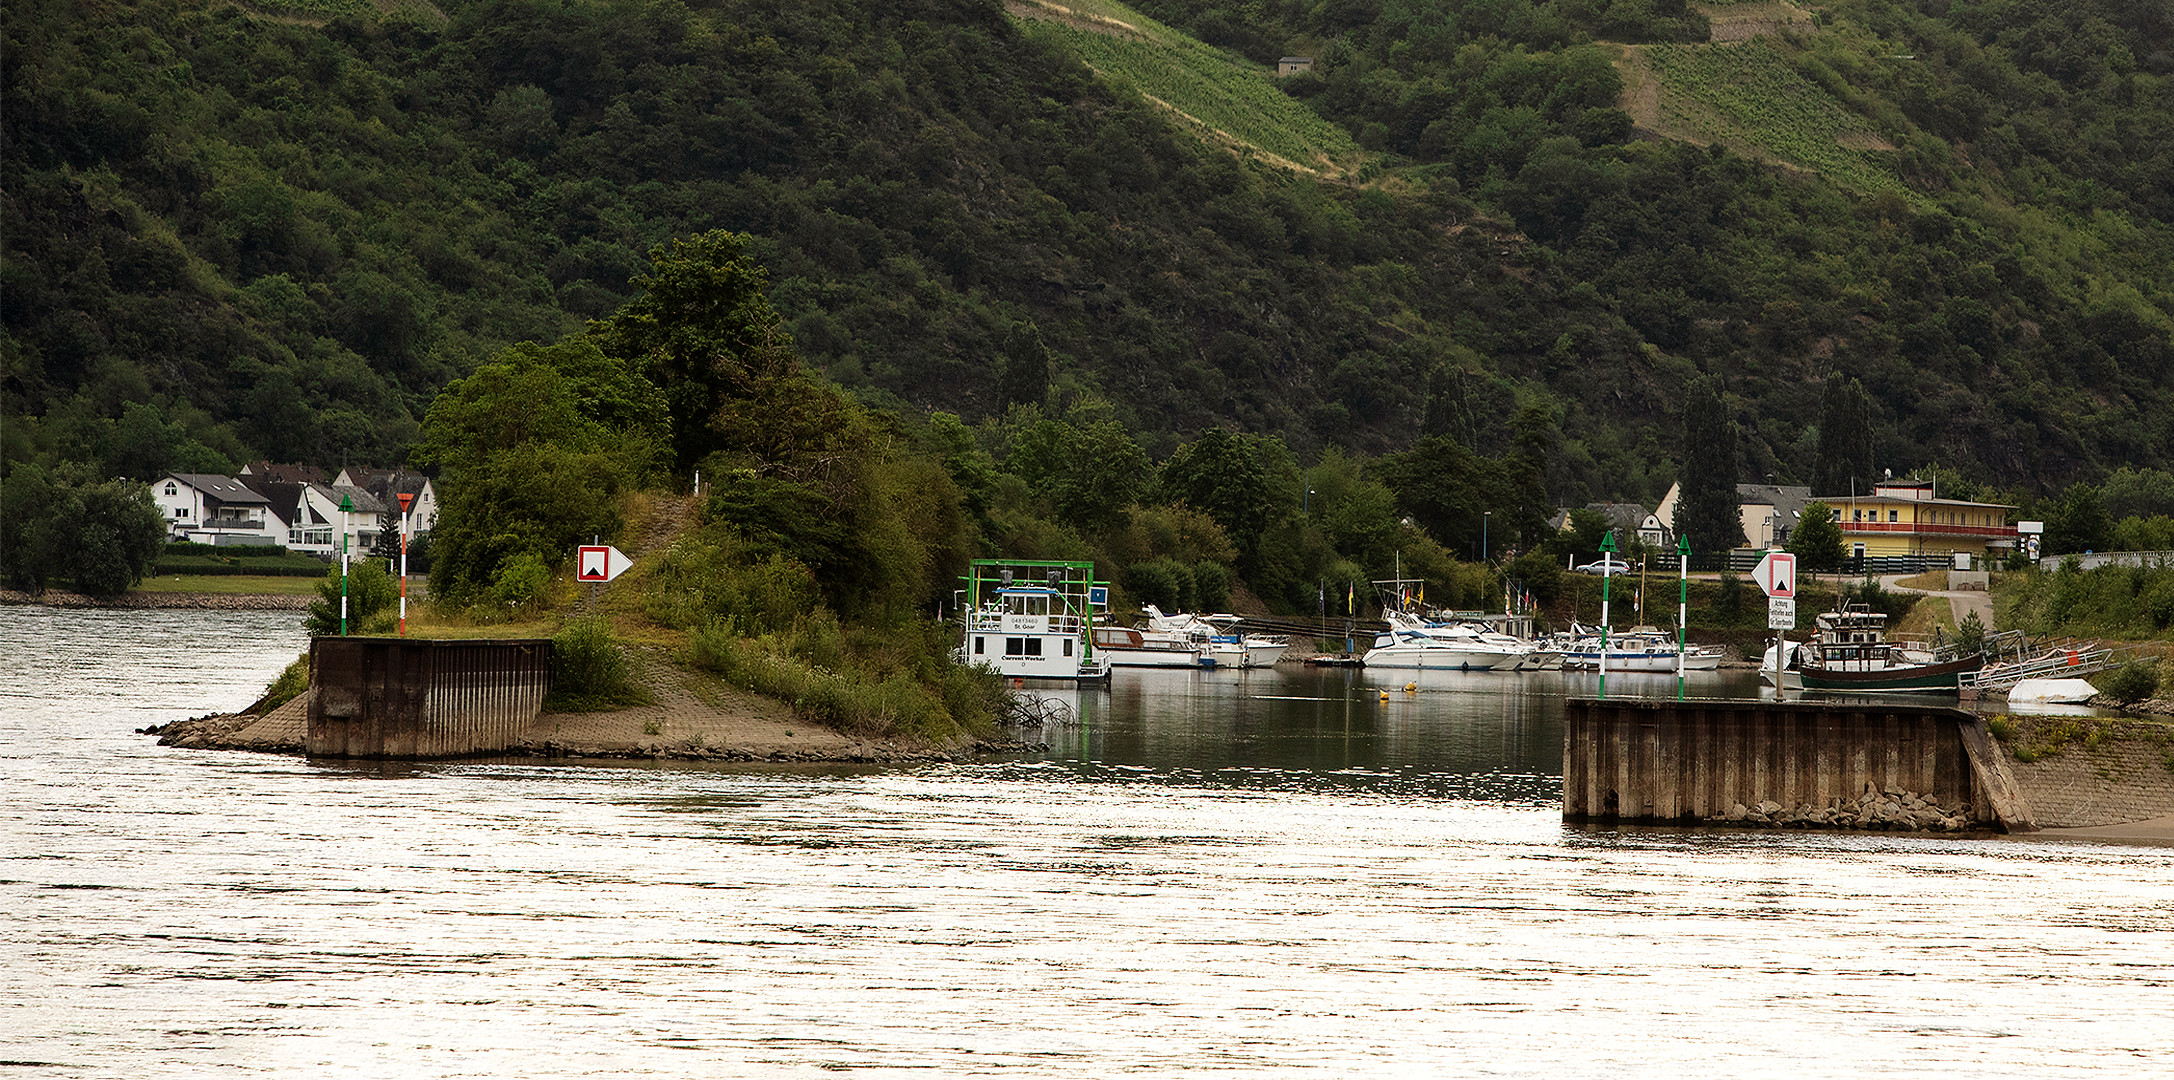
1906,517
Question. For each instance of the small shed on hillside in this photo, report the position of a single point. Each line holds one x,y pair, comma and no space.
1292,65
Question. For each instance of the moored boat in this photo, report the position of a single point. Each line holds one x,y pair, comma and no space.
1641,648
1032,620
1412,643
1849,653
1123,646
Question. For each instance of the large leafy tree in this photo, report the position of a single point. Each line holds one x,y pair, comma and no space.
535,448
102,537
1707,510
1817,541
703,332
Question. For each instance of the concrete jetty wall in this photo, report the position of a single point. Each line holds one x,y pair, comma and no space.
408,698
1686,762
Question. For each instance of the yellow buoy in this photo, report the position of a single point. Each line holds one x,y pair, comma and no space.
1411,688
1385,696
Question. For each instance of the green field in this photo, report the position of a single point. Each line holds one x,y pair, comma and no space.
1754,98
1226,98
231,585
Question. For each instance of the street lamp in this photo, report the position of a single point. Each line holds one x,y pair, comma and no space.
1484,515
1306,506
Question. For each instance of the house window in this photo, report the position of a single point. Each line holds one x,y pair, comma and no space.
1894,515
1856,515
170,490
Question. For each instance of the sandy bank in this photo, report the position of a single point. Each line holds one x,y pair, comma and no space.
721,725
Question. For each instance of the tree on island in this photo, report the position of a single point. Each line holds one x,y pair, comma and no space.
1707,511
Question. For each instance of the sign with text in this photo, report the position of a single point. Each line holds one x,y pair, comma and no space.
1777,574
1781,613
601,562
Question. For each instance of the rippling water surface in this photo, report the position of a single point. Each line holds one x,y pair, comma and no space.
1272,874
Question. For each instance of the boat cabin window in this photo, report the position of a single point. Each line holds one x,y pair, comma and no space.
1034,646
1068,646
1015,646
977,646
1027,603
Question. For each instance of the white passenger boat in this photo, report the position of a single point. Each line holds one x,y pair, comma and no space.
1640,648
1123,646
1032,620
1221,643
1413,643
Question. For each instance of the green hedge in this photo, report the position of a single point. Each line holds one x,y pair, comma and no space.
206,566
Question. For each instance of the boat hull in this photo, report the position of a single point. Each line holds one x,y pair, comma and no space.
1919,679
1440,659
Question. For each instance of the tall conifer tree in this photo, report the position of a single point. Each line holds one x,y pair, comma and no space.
1844,465
1706,509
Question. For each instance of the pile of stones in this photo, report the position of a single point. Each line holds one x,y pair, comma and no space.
1890,808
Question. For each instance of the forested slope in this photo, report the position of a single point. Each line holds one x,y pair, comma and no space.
231,235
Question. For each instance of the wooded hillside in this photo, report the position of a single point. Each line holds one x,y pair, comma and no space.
277,230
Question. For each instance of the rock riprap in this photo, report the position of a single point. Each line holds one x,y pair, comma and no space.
1889,808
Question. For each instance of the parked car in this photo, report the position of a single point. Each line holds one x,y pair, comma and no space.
1607,564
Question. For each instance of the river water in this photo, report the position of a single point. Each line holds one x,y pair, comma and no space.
1276,873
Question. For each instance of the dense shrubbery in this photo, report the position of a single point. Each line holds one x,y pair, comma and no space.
590,669
2132,682
2109,601
373,600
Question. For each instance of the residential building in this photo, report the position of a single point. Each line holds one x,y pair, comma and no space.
1907,517
1770,512
207,509
387,485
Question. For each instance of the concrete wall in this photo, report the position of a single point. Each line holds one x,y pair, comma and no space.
1668,762
405,698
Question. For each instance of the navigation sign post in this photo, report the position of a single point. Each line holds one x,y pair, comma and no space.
599,563
1777,575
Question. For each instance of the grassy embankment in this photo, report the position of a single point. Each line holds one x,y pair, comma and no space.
1225,99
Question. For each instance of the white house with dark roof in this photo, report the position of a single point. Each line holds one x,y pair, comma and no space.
219,510
387,485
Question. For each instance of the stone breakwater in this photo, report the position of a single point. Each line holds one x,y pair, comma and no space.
1889,808
142,600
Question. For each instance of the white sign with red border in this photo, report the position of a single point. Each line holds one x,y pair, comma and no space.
601,562
1777,574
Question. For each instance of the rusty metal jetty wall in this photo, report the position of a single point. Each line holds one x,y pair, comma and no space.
1684,762
409,698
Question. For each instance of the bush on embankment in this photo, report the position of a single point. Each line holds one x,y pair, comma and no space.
2132,602
590,671
908,685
